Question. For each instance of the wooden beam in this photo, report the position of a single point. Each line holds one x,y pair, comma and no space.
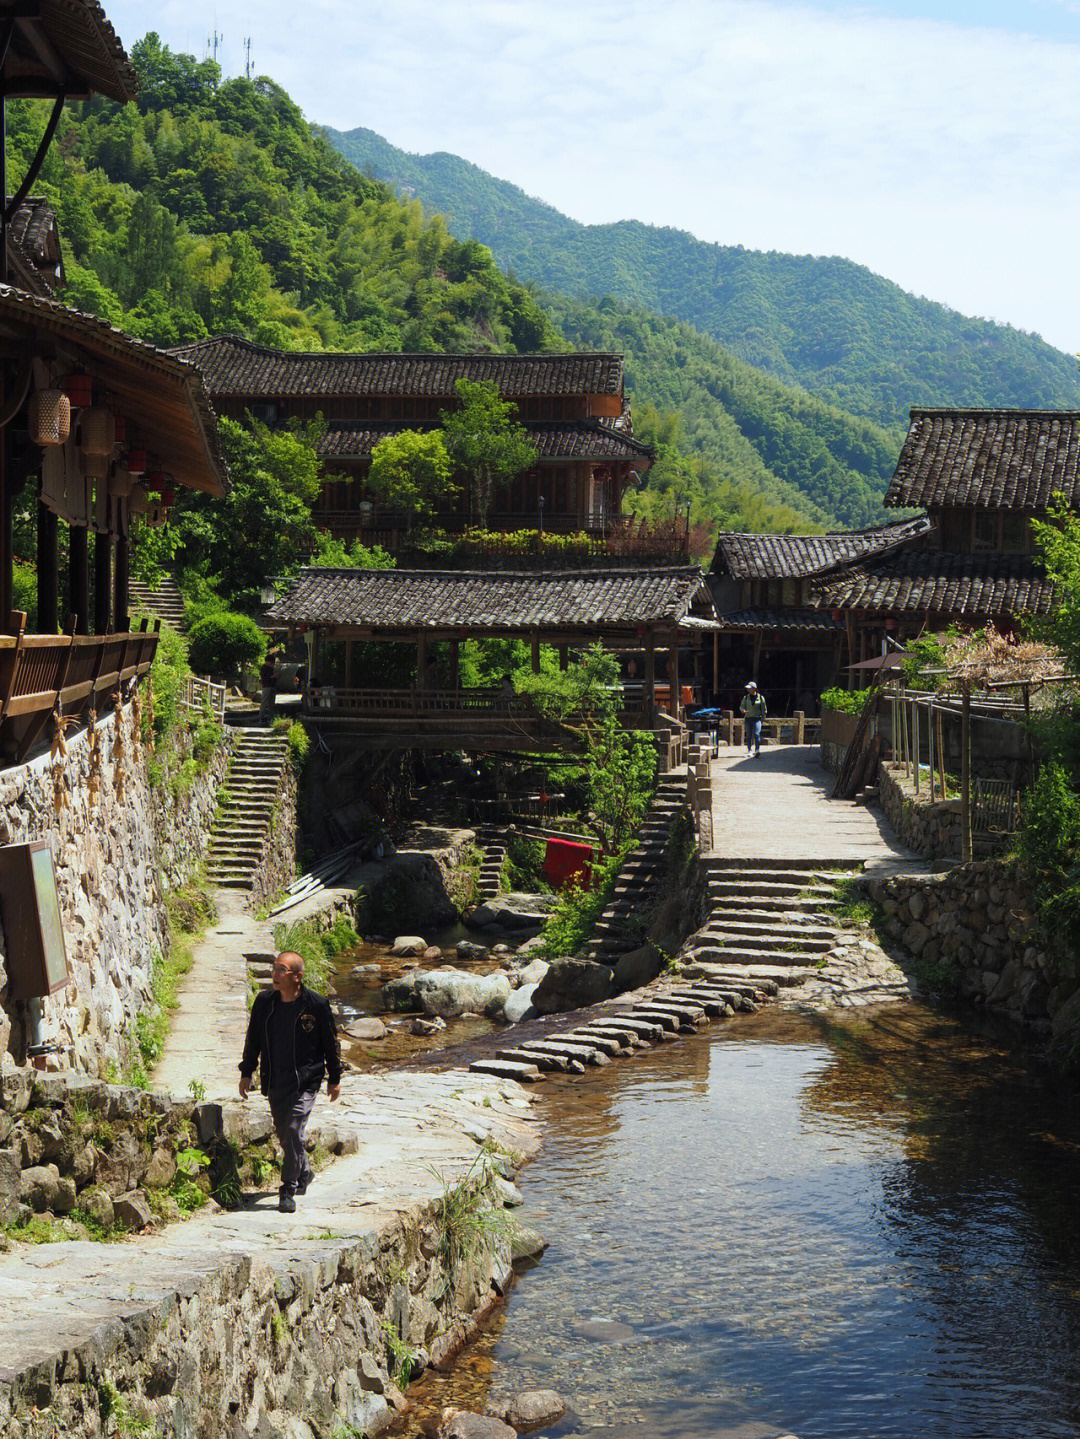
79,578
650,678
48,576
455,663
536,652
120,584
564,657
673,672
102,584
349,664
421,659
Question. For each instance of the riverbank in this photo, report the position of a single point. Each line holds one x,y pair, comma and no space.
289,1324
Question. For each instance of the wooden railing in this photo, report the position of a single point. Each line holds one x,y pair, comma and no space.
203,694
482,705
798,728
41,673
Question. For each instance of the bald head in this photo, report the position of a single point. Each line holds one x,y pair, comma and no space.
288,974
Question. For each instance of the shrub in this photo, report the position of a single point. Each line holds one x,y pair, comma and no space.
225,643
848,702
168,672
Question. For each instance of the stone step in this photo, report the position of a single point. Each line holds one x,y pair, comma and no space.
732,954
719,862
507,1069
786,976
603,1042
690,1013
525,1055
587,1053
774,942
645,1029
782,904
606,1031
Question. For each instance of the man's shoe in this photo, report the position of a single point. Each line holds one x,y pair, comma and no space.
286,1203
303,1182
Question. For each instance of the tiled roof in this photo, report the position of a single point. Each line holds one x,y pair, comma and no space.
35,246
773,557
992,459
163,394
71,43
927,581
793,619
233,366
579,440
493,600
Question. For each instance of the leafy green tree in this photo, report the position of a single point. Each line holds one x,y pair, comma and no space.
412,470
336,554
225,643
485,442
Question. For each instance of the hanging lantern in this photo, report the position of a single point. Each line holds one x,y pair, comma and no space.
121,483
890,624
96,466
168,496
155,480
837,615
80,390
98,431
138,504
49,417
120,428
136,462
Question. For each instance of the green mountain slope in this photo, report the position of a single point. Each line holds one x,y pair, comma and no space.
213,207
834,327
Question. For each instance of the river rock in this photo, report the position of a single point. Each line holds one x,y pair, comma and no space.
529,1409
450,992
513,911
10,1185
572,983
638,967
400,993
466,949
364,971
530,946
408,946
161,1170
519,1005
366,1029
605,1331
501,949
432,953
531,973
526,1243
457,1424
97,1203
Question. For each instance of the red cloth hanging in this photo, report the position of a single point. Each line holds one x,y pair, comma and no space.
566,861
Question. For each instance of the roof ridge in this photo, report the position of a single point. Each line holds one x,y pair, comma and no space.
503,357
978,412
601,572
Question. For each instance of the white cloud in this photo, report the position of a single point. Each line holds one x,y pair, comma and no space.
945,157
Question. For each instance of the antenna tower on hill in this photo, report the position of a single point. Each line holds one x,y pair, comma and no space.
247,57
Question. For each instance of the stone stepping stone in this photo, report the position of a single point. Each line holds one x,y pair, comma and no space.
626,1037
588,1052
602,1042
524,1055
691,1013
668,1021
507,1069
642,1029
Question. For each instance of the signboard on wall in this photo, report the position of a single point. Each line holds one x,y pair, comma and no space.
35,952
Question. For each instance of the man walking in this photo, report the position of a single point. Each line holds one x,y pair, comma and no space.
753,709
292,1038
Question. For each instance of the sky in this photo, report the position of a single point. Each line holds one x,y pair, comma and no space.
936,143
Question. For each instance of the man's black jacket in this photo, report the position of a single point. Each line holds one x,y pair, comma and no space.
316,1048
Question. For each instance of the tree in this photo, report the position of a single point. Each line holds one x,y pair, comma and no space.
485,442
412,470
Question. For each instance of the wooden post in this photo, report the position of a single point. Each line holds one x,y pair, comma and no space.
79,576
729,727
800,726
120,582
650,679
102,584
673,667
7,538
349,664
915,740
536,652
850,649
48,571
965,773
564,657
940,731
455,661
715,665
313,656
930,745
757,653
421,659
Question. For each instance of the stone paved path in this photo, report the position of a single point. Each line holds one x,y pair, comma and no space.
208,1026
778,807
410,1127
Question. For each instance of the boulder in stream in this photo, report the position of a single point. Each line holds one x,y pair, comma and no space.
450,992
519,1005
638,967
529,1409
366,1029
527,912
466,950
408,946
400,993
572,983
531,973
459,1424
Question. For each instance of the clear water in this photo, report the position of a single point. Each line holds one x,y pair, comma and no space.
857,1229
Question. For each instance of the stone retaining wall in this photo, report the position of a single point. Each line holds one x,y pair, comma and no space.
976,920
932,830
277,868
118,842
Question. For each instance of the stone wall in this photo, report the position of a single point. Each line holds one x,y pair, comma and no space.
932,830
976,921
182,822
117,842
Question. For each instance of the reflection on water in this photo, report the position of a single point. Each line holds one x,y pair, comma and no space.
863,1226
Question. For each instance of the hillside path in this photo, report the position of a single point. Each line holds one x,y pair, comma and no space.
778,807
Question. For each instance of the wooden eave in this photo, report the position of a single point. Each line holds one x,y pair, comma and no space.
65,47
162,397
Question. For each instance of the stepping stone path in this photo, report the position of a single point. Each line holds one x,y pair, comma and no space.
242,825
489,879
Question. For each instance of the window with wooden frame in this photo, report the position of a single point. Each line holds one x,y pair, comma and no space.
985,531
1015,533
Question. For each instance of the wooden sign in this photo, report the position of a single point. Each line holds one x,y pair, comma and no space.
36,955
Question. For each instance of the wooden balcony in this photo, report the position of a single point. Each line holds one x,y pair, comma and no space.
484,719
43,673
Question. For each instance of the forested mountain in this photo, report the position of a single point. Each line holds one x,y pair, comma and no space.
834,327
213,206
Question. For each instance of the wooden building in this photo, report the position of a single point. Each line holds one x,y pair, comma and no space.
773,627
572,406
649,610
95,426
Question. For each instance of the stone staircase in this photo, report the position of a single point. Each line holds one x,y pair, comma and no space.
242,826
768,912
618,929
493,844
166,603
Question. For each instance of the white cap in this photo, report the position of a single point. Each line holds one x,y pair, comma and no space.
750,685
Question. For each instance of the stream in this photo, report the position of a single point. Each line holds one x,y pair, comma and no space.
854,1226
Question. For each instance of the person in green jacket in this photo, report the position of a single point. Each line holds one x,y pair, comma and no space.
753,709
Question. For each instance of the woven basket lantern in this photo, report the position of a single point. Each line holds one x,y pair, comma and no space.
98,428
49,417
121,483
96,466
138,504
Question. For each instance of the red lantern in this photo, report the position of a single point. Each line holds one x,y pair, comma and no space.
156,480
121,429
890,624
136,462
80,390
837,615
168,496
